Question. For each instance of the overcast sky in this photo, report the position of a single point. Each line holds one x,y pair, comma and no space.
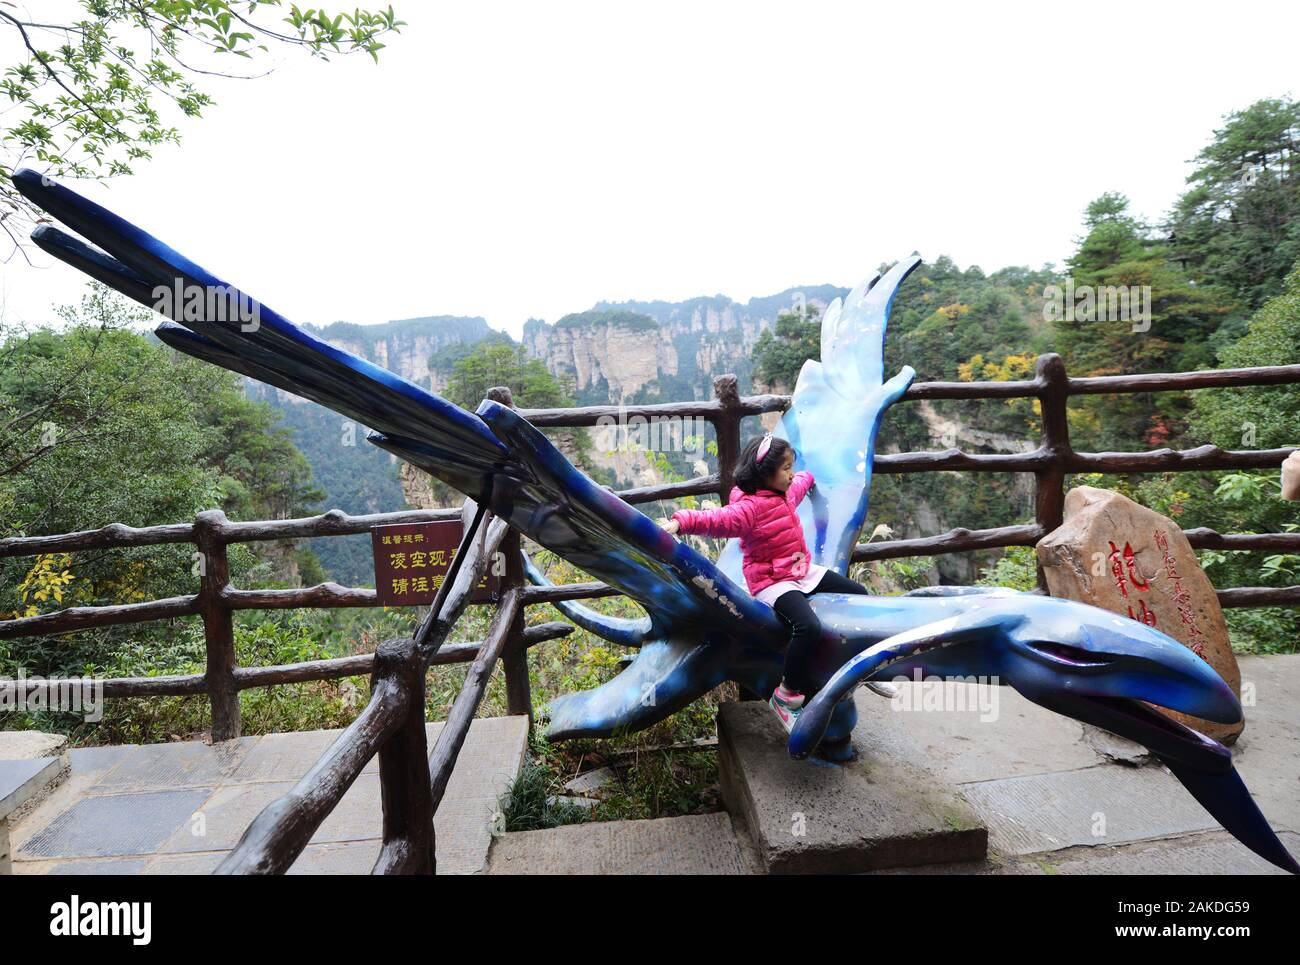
529,159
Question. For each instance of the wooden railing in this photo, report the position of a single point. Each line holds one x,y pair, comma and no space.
392,724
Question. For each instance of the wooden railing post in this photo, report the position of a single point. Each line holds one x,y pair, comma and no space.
727,427
408,846
218,627
514,658
1049,482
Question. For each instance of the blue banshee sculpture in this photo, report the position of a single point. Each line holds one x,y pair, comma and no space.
702,627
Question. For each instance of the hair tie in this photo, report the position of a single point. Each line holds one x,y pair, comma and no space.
764,446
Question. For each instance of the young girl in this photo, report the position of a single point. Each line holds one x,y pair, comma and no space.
777,564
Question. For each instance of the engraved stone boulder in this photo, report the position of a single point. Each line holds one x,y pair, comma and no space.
1117,555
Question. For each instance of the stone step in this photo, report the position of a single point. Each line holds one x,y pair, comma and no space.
134,809
693,844
32,765
810,817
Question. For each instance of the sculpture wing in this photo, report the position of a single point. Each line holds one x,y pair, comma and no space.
493,455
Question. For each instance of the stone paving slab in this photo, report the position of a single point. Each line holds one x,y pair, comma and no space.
1209,853
989,732
115,824
1037,778
1214,853
95,762
810,817
175,765
102,866
279,757
348,858
225,815
1267,755
132,809
21,745
694,844
21,789
1093,806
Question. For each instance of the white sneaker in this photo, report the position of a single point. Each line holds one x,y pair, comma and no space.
787,711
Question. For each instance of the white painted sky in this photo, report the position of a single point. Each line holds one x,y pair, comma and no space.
529,159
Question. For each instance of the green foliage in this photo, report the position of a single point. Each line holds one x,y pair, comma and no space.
1257,416
1239,225
89,93
494,363
1016,568
529,804
942,316
281,637
1118,252
101,424
354,476
780,351
95,403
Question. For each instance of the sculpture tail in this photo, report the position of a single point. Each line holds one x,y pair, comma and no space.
1229,802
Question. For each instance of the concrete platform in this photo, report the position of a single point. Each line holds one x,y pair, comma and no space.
690,845
808,817
179,808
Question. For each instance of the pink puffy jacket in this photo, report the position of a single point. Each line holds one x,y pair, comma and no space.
771,538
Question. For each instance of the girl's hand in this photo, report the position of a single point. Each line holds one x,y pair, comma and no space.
671,525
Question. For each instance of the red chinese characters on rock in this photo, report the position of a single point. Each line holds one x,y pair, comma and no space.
1181,597
1121,561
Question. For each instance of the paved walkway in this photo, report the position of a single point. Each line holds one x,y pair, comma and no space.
1050,790
179,808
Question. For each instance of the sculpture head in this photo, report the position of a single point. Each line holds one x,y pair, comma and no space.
1040,646
1093,653
1048,645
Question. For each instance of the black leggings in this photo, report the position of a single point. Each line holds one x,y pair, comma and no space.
794,608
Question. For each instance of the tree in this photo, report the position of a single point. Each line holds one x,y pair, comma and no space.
780,351
1246,417
1265,416
1167,326
101,424
84,413
494,362
1239,226
87,95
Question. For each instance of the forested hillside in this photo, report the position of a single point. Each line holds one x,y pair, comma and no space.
1219,285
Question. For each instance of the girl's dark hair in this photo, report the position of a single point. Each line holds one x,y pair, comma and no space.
750,472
